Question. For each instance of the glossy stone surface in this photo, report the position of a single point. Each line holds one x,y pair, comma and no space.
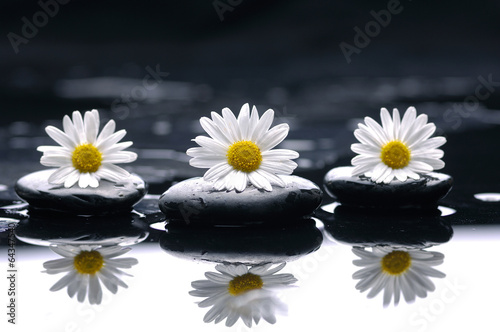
246,244
120,230
194,200
108,198
361,191
410,228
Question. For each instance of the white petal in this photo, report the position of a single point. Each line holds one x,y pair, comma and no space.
55,150
364,168
112,173
107,131
365,149
273,178
419,167
70,130
240,181
84,180
277,167
204,152
232,124
91,125
55,161
213,130
273,137
400,175
377,132
254,121
396,120
263,125
387,123
60,175
117,147
218,171
60,137
94,181
106,143
421,135
433,153
364,159
72,178
429,144
63,282
244,121
380,172
206,162
211,144
120,157
363,135
95,290
259,181
407,123
434,163
279,154
79,127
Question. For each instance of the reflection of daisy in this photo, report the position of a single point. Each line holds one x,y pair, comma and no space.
83,156
398,148
88,267
241,292
397,271
239,150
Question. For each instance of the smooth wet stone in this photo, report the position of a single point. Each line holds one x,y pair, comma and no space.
410,228
245,244
96,230
108,198
361,191
194,200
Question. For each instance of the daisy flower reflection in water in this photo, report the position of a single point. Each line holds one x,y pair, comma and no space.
241,292
88,267
398,149
240,150
396,271
84,156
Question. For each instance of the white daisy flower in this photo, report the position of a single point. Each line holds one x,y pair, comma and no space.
239,292
396,271
398,148
88,267
240,150
84,156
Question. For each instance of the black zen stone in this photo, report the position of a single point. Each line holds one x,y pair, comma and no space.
122,230
108,198
253,244
362,192
194,200
410,228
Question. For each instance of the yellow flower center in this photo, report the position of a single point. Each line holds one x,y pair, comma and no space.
244,156
396,262
244,283
86,158
88,262
395,154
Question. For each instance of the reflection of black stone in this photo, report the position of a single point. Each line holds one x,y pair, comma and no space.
194,200
370,227
361,191
248,244
42,231
108,198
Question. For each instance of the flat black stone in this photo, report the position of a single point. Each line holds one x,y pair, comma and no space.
410,228
73,230
362,192
194,200
108,198
246,244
